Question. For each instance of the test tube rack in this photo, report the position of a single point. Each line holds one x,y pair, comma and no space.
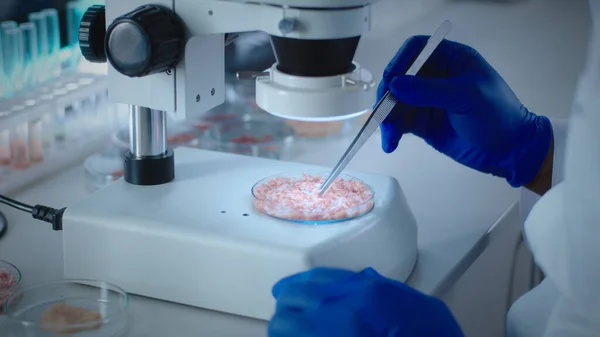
47,99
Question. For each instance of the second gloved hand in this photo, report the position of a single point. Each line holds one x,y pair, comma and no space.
326,302
460,106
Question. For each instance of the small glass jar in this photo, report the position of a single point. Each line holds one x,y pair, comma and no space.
36,141
19,147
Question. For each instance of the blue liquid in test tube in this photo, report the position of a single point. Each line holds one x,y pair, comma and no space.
51,16
40,73
12,51
30,53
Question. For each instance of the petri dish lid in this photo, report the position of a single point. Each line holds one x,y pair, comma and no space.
105,167
294,197
258,138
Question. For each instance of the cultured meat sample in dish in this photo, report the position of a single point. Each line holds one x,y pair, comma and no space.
180,138
247,139
65,319
7,282
298,199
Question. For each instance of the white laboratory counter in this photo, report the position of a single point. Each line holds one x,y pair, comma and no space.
455,207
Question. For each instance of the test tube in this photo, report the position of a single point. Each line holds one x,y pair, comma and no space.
59,122
48,137
5,25
19,147
2,77
73,20
30,52
4,82
4,150
51,17
40,72
12,51
36,145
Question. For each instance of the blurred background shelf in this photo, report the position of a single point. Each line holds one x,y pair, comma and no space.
55,162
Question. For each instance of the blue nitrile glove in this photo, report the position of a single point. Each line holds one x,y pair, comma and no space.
460,106
327,302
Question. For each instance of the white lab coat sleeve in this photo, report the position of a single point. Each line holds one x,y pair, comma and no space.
559,130
563,228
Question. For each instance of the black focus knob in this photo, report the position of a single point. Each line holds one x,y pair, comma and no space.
148,40
92,31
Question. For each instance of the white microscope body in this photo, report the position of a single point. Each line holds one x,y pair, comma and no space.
196,239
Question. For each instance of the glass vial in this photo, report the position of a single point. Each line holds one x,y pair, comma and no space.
19,147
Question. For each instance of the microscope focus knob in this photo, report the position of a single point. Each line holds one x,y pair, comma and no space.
92,31
146,41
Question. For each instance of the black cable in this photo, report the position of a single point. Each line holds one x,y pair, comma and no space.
3,225
16,204
39,212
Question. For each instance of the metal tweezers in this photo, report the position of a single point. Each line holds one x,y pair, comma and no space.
385,106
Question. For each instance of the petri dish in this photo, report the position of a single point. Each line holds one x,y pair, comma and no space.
101,169
10,278
84,308
224,112
256,138
179,134
294,197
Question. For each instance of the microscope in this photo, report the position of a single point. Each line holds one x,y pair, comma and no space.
181,225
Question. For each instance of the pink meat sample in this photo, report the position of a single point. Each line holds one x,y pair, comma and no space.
20,154
7,283
298,198
4,155
247,139
180,138
65,319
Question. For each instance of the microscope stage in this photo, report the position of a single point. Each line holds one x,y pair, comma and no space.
199,241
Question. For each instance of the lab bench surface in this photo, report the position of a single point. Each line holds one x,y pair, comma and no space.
455,208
